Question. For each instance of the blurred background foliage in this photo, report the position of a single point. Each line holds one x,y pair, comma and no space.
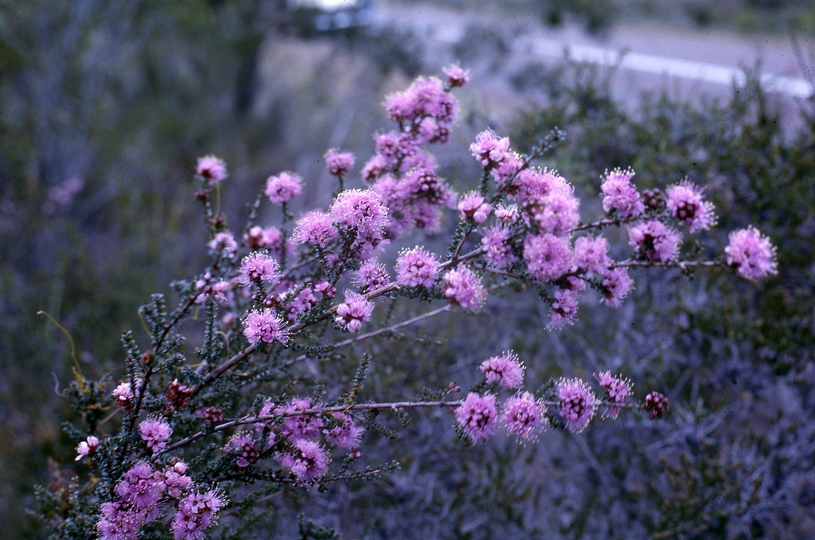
106,105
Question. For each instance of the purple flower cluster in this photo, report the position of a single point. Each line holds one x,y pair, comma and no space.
577,404
258,267
265,326
654,240
685,203
316,228
620,195
138,496
155,432
364,216
617,390
415,267
307,460
196,513
284,187
524,416
751,254
462,286
224,245
371,276
506,369
477,416
339,163
354,311
211,169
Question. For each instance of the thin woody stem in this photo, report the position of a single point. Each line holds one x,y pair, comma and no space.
347,408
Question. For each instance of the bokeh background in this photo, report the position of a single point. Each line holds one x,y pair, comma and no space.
107,104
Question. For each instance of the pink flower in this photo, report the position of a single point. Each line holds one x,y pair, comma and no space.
654,240
247,453
87,447
456,77
617,389
423,183
530,184
506,369
415,267
345,434
497,247
211,169
751,254
591,254
374,168
301,303
476,416
506,214
547,256
354,311
577,404
339,163
122,395
463,287
371,276
196,512
269,238
620,195
363,212
524,416
616,286
256,267
315,228
284,187
224,244
393,146
489,149
685,203
155,432
507,168
176,482
473,206
308,461
554,213
142,487
564,308
300,426
264,326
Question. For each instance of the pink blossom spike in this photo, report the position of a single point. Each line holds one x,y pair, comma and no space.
506,369
354,311
211,169
456,76
265,326
577,404
620,195
155,432
524,416
284,187
339,163
308,460
415,267
463,288
686,204
477,416
751,254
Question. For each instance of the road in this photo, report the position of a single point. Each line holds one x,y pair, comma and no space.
687,63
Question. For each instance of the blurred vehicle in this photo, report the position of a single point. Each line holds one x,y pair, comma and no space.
328,15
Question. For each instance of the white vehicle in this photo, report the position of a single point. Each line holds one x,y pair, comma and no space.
328,15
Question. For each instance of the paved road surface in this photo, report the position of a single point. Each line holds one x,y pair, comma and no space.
650,57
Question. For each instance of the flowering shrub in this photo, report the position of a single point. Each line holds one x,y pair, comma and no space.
206,434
